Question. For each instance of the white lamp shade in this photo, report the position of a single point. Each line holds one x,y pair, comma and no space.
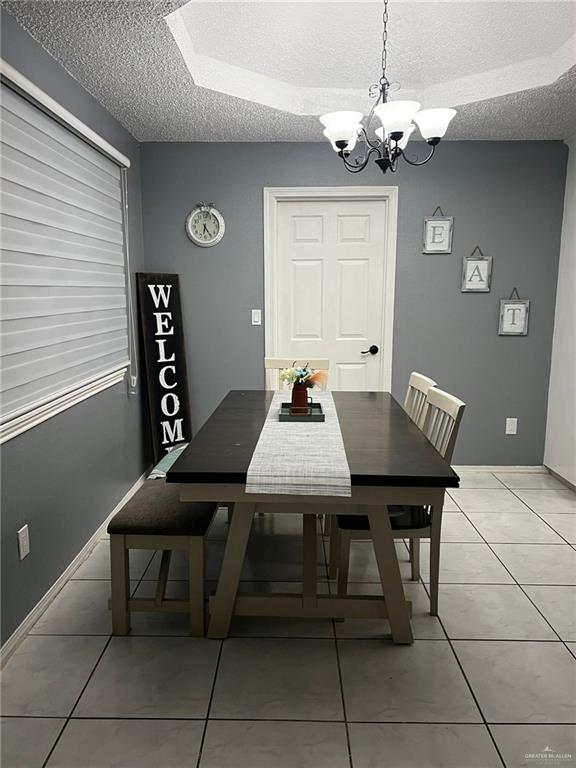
396,116
403,141
330,136
341,125
433,123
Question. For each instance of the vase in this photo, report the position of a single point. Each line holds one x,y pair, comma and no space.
299,405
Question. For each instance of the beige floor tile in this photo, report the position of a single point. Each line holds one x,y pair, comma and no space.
514,528
558,604
252,744
138,743
278,679
413,745
491,612
539,563
418,683
553,502
520,682
487,500
524,746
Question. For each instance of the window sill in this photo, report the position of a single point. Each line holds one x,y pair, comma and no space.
42,412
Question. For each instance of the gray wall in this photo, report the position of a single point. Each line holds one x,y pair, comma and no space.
505,196
65,476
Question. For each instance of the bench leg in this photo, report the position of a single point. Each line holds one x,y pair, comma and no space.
196,585
415,558
163,577
333,550
343,563
119,567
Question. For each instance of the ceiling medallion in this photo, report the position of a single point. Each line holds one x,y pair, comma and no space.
345,130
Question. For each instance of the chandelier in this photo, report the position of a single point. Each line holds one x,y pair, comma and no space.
346,131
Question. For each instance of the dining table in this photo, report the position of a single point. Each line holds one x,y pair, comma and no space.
391,462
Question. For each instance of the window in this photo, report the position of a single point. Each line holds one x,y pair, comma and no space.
64,332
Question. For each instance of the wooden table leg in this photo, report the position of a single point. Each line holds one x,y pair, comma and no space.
389,570
230,571
310,557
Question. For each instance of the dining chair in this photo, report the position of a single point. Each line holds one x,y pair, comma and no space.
273,365
415,400
442,414
155,518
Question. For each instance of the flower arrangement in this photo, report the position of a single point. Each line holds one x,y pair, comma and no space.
305,375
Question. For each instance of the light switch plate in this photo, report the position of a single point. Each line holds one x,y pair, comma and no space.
23,542
256,317
511,426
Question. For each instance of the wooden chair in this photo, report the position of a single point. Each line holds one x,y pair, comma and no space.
441,420
415,400
272,365
155,518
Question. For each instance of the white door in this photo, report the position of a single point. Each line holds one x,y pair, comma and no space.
332,288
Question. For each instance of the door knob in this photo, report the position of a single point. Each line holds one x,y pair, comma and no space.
372,351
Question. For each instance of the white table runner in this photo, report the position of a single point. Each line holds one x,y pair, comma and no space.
300,458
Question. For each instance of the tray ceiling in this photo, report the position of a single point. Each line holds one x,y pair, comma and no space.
172,70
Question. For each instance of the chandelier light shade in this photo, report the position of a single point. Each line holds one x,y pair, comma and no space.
433,123
396,116
346,130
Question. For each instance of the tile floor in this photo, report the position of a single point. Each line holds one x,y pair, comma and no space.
491,682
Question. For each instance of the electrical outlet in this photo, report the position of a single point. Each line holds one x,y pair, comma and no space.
256,317
511,426
23,542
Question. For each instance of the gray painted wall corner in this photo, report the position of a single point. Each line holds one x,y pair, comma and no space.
66,475
505,196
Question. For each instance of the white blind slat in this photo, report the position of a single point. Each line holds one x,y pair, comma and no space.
23,203
40,390
31,237
18,168
40,336
50,129
33,269
73,354
39,147
63,300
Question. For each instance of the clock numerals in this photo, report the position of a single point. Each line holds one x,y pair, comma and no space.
205,227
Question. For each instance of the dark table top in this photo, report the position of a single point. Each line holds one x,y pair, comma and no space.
383,445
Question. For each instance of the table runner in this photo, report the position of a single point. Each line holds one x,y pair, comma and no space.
300,458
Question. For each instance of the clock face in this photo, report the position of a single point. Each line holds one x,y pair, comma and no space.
205,226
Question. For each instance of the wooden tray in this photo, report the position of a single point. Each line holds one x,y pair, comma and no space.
315,413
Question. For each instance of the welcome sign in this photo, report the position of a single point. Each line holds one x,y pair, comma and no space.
165,360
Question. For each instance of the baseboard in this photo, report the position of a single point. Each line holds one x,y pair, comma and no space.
562,479
539,468
20,633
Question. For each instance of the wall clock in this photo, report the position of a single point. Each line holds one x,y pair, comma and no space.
205,225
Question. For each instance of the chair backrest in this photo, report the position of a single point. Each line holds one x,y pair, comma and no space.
415,400
442,416
274,364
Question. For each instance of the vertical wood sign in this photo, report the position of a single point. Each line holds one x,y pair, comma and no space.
165,360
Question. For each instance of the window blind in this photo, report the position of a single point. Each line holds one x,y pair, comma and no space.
63,286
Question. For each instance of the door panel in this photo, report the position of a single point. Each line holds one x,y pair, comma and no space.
330,286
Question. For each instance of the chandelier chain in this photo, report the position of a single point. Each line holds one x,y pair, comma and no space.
384,80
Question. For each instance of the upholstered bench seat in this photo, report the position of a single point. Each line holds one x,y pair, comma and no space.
156,509
155,518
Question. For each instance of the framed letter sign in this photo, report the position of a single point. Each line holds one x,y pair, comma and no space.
514,317
438,234
165,359
476,273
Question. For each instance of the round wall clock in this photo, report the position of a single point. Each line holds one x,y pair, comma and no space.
205,225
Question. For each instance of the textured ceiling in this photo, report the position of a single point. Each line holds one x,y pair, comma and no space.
261,71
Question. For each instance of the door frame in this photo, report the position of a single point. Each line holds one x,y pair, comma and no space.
275,195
